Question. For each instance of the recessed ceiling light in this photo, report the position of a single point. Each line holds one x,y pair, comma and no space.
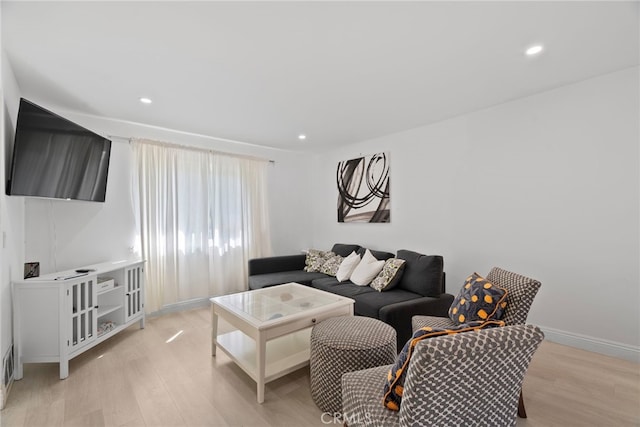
302,137
145,100
534,50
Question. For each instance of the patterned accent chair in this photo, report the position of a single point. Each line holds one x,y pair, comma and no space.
521,291
467,379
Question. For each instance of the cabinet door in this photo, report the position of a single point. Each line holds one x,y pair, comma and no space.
81,299
134,292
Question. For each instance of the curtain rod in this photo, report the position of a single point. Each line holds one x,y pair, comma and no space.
192,148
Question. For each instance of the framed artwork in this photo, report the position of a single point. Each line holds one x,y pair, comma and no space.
31,269
363,189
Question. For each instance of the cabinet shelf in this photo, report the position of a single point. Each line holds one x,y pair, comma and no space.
106,335
106,309
116,329
111,289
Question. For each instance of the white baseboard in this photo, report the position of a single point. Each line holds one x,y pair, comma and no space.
181,306
597,345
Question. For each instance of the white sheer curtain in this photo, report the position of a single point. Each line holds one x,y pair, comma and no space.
202,216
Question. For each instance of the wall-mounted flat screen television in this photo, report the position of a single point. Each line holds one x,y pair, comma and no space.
56,158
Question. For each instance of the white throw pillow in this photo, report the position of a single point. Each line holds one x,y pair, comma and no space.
347,266
368,257
367,270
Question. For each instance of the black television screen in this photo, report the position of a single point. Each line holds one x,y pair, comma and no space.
56,158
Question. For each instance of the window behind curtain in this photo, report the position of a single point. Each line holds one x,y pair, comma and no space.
202,216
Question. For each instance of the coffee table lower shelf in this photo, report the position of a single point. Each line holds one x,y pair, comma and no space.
284,354
272,328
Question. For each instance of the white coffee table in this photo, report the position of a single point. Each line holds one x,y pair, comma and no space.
273,328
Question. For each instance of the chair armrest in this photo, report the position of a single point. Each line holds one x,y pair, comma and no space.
446,370
276,264
399,314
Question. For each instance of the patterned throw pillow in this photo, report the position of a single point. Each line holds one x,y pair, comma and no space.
316,259
394,386
478,299
390,275
331,265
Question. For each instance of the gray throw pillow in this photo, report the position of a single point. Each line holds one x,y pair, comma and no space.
344,249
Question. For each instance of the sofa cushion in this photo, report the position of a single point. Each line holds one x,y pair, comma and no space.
343,249
345,289
379,255
369,304
394,387
271,279
478,299
390,275
325,283
423,274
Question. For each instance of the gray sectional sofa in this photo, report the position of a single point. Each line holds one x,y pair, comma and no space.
421,289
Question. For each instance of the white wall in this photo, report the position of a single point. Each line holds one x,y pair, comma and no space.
11,209
547,186
66,234
5,300
63,234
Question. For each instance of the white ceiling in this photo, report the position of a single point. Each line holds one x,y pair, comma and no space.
340,72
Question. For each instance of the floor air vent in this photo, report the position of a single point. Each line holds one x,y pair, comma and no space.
7,376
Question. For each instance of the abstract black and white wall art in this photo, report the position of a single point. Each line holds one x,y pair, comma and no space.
363,189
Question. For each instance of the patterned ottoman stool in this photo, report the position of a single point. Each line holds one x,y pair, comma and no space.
346,344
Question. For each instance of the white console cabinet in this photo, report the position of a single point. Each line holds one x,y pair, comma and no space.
58,316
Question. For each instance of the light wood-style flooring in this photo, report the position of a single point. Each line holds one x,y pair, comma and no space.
137,378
